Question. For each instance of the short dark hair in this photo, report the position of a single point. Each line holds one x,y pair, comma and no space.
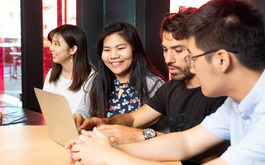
234,25
175,22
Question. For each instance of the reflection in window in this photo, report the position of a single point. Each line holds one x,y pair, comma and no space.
10,54
55,13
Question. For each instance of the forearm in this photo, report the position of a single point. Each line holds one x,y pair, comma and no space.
117,157
173,146
161,148
218,161
141,118
122,119
159,133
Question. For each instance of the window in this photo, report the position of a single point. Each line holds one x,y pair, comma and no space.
10,54
55,13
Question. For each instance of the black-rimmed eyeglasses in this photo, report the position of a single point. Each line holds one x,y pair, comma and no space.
189,60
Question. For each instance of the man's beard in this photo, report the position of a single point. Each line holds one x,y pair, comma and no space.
185,73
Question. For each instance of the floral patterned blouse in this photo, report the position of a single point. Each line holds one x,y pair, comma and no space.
129,100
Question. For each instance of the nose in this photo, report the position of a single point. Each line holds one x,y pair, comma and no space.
169,57
192,70
114,54
51,47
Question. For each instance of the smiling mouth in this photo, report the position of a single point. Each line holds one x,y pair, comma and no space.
116,63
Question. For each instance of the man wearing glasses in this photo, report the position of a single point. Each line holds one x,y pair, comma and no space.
189,59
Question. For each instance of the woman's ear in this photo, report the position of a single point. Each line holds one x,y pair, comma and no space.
73,50
224,60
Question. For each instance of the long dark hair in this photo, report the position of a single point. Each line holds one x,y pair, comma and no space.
103,84
82,66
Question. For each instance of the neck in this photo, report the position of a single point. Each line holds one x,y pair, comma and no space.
67,70
192,83
123,78
242,81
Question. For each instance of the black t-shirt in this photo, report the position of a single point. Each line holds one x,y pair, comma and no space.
183,107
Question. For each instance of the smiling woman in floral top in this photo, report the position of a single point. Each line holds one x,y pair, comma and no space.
125,79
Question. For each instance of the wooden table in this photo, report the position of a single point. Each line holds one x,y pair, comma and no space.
28,145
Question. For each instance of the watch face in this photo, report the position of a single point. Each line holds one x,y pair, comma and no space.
149,133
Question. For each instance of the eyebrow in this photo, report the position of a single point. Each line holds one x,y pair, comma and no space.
116,45
55,41
175,46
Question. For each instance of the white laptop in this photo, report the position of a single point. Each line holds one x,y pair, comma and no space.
57,115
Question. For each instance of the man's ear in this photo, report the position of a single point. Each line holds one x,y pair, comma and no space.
224,60
73,50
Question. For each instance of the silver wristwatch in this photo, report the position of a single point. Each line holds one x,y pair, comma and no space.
149,133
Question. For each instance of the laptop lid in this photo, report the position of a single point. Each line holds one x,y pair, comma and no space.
57,115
